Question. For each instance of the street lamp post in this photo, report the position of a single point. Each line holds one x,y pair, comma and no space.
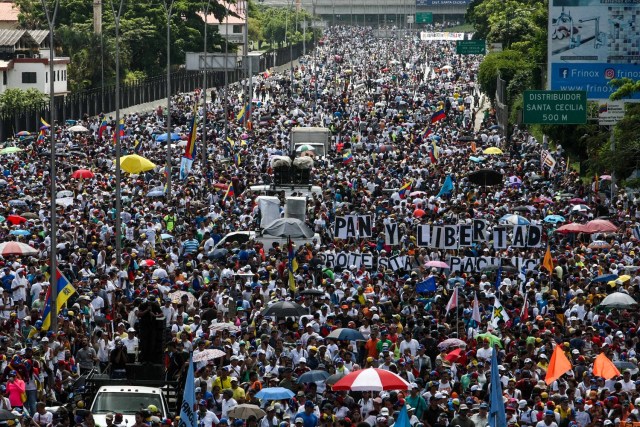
116,17
168,8
51,21
204,88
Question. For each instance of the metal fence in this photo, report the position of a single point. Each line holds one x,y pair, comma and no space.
95,101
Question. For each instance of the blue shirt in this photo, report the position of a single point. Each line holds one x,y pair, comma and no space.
309,420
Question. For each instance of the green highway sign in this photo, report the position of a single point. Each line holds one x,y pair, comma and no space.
554,107
471,47
424,17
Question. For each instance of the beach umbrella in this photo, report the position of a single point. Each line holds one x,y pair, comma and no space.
572,227
554,219
436,264
78,128
371,379
23,133
163,137
312,292
313,376
245,410
600,226
16,219
82,174
284,309
513,219
346,334
16,248
599,244
492,150
11,150
485,177
274,393
493,340
618,300
208,354
135,164
148,263
451,342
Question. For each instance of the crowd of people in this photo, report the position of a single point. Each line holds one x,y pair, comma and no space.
408,126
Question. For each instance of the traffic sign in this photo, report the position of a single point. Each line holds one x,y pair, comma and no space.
554,107
424,17
610,113
471,47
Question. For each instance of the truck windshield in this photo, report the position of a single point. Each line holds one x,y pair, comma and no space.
125,403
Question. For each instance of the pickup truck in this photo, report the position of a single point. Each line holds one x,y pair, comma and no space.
127,400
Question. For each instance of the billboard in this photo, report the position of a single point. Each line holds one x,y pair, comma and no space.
592,42
464,3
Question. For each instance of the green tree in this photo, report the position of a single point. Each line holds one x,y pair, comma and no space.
512,67
14,99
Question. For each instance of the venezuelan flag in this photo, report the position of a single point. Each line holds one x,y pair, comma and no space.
347,157
41,137
120,130
230,192
65,290
405,189
190,148
44,124
243,113
603,108
437,116
103,127
236,159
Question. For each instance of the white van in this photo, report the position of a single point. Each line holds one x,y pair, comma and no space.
127,400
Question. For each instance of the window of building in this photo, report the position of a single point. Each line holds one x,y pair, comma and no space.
4,78
237,29
29,77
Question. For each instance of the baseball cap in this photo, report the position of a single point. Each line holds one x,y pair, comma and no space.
299,420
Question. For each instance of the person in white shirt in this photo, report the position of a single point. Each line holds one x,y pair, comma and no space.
42,417
409,343
206,418
228,402
131,342
19,286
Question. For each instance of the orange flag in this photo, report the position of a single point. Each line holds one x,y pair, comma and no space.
547,262
558,365
603,367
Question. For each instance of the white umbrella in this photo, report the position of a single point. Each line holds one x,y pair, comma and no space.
78,128
618,300
208,354
219,327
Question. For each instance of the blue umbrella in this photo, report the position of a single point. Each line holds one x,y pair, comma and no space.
512,219
476,159
20,232
155,193
17,203
554,219
605,278
346,334
274,393
313,376
165,236
163,137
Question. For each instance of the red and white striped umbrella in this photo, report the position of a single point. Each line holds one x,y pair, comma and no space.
371,379
16,248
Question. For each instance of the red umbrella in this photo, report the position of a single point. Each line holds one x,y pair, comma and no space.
16,248
82,174
577,201
16,219
600,226
148,262
371,379
457,356
571,228
220,186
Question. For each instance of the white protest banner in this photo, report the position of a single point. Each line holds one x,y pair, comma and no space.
432,36
391,234
353,226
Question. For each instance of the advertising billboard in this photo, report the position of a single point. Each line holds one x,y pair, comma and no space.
592,42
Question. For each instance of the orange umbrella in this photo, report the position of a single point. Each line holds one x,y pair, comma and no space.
558,365
82,174
603,367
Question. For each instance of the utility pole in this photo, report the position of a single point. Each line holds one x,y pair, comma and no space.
168,8
53,267
116,17
204,88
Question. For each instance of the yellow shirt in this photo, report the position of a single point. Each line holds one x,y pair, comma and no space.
238,394
223,384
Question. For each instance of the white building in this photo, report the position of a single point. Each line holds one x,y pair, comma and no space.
24,62
232,27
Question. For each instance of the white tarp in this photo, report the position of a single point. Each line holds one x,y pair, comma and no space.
269,209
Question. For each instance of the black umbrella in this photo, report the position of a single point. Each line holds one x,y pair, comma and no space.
6,415
522,209
485,177
284,309
315,292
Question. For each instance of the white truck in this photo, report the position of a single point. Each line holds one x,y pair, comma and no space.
315,137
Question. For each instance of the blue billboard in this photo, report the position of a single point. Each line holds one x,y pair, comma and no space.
592,42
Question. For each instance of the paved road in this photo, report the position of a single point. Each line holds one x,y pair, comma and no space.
152,106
